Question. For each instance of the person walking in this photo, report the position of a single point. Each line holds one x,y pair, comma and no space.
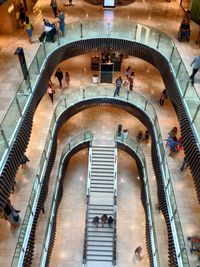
61,21
95,221
59,76
196,66
54,7
110,221
50,92
139,136
67,78
128,72
104,219
183,165
118,83
29,29
131,81
146,136
172,145
137,254
22,14
163,97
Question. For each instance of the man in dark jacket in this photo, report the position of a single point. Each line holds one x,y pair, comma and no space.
59,76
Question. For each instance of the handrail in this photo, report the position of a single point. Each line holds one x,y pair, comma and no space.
127,30
150,217
115,236
136,100
86,228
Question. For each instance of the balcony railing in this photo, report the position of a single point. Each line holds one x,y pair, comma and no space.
88,29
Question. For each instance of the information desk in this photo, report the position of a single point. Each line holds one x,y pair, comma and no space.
106,72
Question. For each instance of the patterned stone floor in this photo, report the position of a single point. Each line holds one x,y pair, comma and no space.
150,13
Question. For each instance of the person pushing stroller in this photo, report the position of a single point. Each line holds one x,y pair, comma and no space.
49,32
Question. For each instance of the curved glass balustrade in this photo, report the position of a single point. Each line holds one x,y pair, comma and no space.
82,138
126,97
135,147
150,216
94,29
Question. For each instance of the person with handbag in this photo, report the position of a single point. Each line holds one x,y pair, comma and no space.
54,7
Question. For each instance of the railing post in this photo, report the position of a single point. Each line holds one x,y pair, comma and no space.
127,95
196,113
83,93
158,41
54,116
45,52
4,137
155,121
108,28
178,69
65,102
50,131
145,105
171,54
187,85
38,66
58,38
19,107
81,29
135,32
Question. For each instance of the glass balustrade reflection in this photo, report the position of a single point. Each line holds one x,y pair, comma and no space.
40,55
175,60
3,143
10,121
33,71
192,100
165,45
197,120
25,88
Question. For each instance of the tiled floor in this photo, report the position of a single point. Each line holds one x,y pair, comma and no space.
103,121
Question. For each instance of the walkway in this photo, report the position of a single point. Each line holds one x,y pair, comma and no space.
100,241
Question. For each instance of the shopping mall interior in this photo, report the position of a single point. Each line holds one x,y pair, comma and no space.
81,164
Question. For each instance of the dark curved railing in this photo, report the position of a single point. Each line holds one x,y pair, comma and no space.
133,149
141,41
139,107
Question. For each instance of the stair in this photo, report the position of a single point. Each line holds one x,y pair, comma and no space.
101,188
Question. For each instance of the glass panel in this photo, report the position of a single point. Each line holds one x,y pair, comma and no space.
47,143
158,130
165,45
40,55
175,60
61,107
3,145
24,88
197,122
33,71
153,38
183,77
11,120
162,152
192,100
150,110
22,100
41,165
